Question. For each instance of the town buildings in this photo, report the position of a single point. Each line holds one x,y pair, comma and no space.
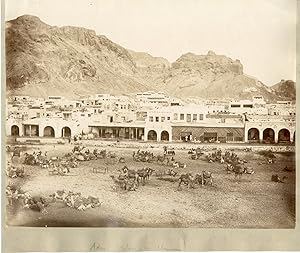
152,116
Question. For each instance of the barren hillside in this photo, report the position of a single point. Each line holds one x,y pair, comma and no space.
44,60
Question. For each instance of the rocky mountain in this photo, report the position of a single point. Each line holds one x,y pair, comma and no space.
44,60
211,76
285,90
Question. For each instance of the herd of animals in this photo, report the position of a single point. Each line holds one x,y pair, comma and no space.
39,203
127,179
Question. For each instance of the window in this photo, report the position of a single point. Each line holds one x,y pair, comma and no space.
248,106
157,119
188,118
175,116
194,117
235,106
181,116
200,116
168,118
163,119
151,119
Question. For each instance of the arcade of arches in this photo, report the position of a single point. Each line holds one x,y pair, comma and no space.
269,136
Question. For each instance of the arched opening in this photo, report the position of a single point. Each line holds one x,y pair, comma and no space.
49,131
253,135
164,136
284,135
152,135
269,135
15,130
66,132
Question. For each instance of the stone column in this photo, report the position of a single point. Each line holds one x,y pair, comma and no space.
40,131
246,135
29,130
63,132
21,130
158,136
136,133
261,135
56,132
292,136
276,136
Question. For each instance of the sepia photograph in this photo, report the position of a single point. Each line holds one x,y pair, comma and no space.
150,114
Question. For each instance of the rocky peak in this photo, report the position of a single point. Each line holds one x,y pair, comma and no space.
285,89
211,61
29,21
211,53
147,61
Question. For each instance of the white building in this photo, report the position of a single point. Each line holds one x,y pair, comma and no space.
153,99
255,106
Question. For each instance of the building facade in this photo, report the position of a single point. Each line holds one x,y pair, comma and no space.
121,117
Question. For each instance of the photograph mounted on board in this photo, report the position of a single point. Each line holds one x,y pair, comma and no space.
161,114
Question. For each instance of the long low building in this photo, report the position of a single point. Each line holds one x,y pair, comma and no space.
167,124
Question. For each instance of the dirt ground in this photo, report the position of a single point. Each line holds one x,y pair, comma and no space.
253,201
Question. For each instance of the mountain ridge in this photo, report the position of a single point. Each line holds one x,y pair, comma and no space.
43,59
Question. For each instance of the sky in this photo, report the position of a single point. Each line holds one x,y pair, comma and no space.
260,33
